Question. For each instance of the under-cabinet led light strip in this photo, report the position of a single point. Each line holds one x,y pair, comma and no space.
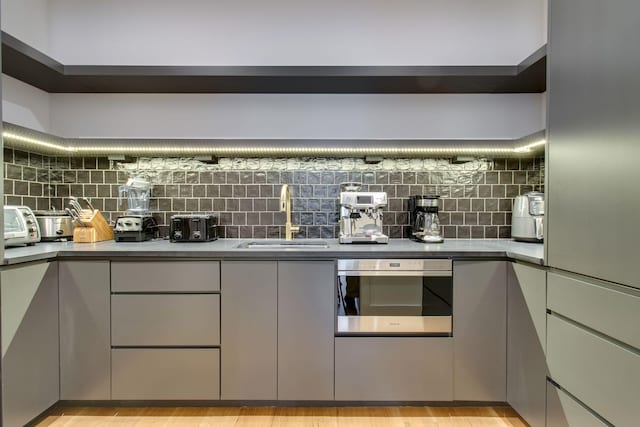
177,150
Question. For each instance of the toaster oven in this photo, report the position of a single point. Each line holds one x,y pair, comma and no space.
20,226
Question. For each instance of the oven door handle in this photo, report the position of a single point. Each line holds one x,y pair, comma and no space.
397,273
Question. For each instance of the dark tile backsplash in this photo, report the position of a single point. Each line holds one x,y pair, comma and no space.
477,196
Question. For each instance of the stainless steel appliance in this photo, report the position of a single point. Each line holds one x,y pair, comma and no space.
412,297
135,228
361,215
424,220
54,225
193,228
20,226
527,218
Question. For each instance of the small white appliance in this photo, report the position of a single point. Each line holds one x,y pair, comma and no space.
20,226
527,218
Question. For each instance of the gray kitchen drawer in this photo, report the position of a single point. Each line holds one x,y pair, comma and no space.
564,411
165,374
165,320
609,309
165,276
394,369
600,373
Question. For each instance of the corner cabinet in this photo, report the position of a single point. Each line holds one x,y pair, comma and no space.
526,342
85,332
480,330
277,327
30,383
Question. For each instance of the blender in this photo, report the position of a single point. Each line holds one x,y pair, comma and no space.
137,225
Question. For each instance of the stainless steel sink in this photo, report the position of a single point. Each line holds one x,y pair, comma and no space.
284,244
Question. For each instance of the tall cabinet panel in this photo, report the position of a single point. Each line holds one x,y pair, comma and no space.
306,322
85,331
526,342
29,341
249,336
593,128
480,330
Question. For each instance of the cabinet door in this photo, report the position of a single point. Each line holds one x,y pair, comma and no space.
306,323
85,332
603,374
593,203
400,369
480,330
249,303
166,374
564,411
29,341
526,339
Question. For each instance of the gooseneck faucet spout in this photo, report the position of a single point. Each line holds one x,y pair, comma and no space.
285,205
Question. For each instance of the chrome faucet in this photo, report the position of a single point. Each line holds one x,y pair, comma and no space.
285,205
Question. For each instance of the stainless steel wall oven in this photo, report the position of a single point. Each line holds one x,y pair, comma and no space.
390,297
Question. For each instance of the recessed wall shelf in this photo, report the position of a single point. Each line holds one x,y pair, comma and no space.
30,140
31,66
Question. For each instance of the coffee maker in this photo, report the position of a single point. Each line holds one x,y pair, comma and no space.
361,215
424,220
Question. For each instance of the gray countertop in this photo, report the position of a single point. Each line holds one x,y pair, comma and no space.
227,249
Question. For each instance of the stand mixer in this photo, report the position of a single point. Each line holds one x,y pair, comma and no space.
361,215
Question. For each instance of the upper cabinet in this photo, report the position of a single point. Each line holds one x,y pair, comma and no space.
31,66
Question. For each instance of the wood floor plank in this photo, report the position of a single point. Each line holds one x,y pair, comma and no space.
361,416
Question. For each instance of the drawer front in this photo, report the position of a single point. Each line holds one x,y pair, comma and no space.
169,276
165,374
613,311
165,320
394,369
564,411
601,374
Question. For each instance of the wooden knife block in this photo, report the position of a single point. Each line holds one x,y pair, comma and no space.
96,228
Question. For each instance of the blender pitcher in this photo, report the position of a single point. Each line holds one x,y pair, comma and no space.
136,192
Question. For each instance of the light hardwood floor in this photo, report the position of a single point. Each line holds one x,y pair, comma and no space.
403,416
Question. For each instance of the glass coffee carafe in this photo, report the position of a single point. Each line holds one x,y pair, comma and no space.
424,218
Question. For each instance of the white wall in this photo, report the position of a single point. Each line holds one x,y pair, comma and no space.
295,32
27,20
296,116
25,105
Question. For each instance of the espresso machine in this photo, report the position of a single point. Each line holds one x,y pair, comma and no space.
424,220
361,215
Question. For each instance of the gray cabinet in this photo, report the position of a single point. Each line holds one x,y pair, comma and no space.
165,276
165,320
85,332
249,339
480,330
30,381
602,374
165,327
593,203
526,342
166,374
306,323
564,411
277,327
394,369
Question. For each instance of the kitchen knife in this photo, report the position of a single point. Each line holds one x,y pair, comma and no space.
73,214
